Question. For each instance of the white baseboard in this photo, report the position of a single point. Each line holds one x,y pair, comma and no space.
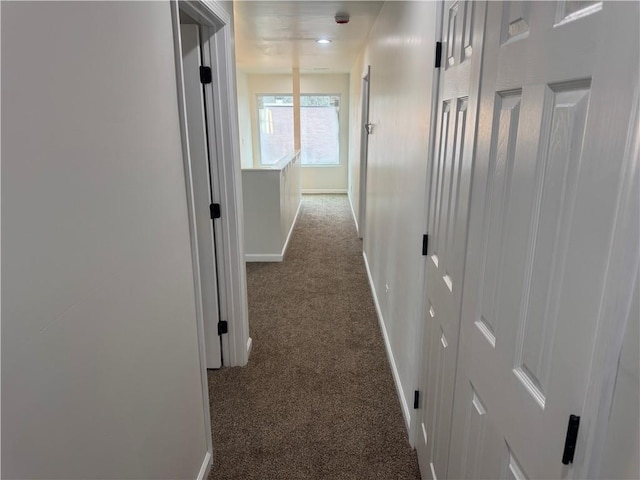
406,413
274,257
263,257
203,474
353,212
323,191
293,224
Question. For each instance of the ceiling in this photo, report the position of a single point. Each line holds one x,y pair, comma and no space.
275,36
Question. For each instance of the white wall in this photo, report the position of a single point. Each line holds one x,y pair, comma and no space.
313,178
100,366
244,120
400,51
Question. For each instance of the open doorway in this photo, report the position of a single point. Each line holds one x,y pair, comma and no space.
365,131
203,39
200,128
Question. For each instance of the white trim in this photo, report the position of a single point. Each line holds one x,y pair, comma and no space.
216,174
195,259
293,224
217,9
323,191
218,51
203,474
406,413
353,213
263,257
249,346
274,257
232,209
433,471
363,149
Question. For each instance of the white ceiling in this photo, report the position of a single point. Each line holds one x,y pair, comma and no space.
275,36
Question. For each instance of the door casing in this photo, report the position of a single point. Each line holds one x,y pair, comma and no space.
217,28
364,150
202,157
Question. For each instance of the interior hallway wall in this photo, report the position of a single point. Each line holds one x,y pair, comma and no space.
100,366
400,51
326,178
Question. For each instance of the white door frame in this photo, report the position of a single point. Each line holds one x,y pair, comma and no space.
201,186
222,113
421,354
217,26
364,149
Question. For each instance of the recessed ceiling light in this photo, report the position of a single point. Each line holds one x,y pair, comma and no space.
323,41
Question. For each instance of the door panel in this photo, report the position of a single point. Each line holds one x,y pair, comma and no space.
199,161
448,207
554,113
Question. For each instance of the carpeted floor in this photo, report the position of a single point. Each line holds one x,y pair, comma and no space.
317,400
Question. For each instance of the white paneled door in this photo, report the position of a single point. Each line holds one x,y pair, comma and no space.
450,180
557,90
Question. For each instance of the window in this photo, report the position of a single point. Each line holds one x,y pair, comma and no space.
275,117
319,128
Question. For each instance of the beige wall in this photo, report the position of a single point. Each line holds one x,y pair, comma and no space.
100,365
400,51
330,178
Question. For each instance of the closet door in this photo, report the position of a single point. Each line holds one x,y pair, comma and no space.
557,86
449,204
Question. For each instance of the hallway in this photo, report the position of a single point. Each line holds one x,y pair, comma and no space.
317,399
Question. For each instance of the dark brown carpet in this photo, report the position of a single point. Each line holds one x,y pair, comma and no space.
317,399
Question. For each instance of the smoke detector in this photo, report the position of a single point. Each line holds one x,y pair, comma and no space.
342,18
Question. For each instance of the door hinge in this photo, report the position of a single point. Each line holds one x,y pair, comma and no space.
572,438
425,245
223,327
438,54
205,75
416,399
214,210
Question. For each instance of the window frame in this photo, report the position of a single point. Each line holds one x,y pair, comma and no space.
261,164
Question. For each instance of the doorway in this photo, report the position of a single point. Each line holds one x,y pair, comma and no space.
208,113
365,131
197,75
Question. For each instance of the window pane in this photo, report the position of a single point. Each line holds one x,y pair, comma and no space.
275,117
320,129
